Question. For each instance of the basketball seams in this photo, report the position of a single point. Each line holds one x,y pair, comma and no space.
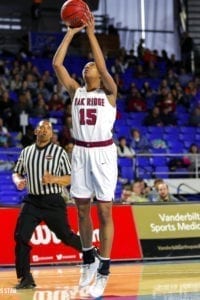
78,9
75,13
84,7
72,12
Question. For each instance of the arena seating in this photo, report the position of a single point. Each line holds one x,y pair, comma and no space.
155,164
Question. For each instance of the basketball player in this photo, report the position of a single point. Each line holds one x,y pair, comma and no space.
43,168
94,157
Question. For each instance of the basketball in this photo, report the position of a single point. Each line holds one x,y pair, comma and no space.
73,12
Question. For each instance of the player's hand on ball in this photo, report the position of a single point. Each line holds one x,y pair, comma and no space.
90,23
75,30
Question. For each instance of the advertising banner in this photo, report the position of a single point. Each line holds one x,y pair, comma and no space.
168,230
47,248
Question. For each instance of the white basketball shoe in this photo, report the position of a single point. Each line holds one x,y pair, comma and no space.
88,271
97,289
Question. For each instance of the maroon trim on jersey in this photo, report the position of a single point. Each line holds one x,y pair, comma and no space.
94,144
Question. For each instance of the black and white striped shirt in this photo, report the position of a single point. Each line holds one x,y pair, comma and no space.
33,162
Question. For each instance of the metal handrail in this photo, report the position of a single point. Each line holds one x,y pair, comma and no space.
188,186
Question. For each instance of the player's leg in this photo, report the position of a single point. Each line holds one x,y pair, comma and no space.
26,223
106,233
90,259
82,191
105,178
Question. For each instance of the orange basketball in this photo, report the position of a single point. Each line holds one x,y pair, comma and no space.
74,12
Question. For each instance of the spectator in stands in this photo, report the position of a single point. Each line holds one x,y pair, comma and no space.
153,118
120,85
29,137
139,142
164,194
194,118
55,103
153,194
133,193
41,89
123,150
23,105
180,96
140,49
40,108
173,63
16,83
184,77
149,94
48,80
32,84
192,160
187,46
119,66
171,78
146,89
140,72
61,91
65,134
149,56
167,102
161,96
168,117
163,88
6,109
135,102
24,88
145,189
4,72
55,138
152,70
130,59
164,56
5,136
69,148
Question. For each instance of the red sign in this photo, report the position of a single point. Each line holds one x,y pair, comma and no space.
47,248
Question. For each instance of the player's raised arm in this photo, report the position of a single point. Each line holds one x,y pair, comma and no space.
106,78
58,62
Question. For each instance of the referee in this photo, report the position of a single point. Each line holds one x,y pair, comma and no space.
43,168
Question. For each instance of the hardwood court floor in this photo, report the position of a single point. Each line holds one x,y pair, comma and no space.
128,281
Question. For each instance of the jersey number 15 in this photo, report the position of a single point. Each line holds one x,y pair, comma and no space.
88,116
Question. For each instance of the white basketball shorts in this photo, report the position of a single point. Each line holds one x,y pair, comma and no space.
94,172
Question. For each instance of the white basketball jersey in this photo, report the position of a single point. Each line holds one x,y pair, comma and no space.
93,116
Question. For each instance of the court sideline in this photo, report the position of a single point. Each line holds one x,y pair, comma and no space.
169,280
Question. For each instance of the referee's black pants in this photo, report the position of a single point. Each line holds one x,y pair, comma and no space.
31,215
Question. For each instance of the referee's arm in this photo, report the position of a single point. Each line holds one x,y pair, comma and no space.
48,178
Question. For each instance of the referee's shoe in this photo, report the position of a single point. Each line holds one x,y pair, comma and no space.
26,282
